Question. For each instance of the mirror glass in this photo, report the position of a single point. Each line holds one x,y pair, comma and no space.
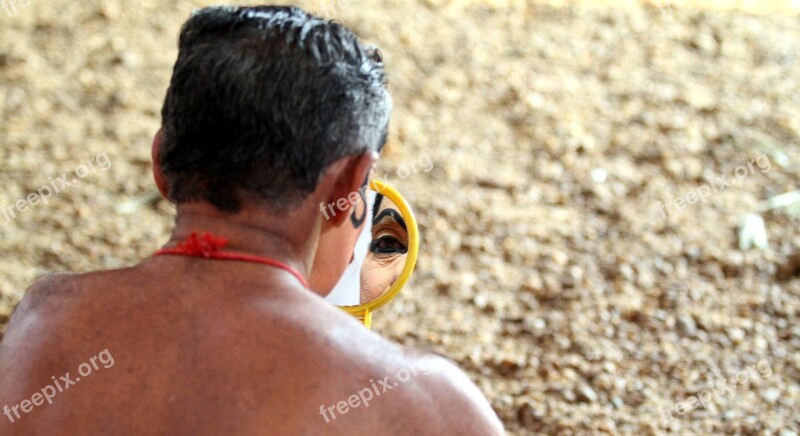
381,252
387,251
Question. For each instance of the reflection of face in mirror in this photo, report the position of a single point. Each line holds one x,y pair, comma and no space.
387,251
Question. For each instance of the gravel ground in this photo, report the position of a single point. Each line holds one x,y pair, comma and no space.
567,263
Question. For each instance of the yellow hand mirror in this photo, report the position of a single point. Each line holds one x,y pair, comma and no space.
391,247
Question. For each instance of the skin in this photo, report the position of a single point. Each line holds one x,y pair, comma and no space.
331,259
387,255
223,347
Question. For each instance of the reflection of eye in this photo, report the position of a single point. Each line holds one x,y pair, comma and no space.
387,245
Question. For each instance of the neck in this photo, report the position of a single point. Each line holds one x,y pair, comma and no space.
287,238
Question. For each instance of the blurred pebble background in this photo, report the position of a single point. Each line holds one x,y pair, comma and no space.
557,264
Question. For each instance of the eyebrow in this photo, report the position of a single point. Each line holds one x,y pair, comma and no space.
394,215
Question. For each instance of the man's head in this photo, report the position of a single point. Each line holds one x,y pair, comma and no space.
262,100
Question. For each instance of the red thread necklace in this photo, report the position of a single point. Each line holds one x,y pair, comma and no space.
210,247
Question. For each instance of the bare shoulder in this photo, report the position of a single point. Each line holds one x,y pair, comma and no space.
457,404
43,293
410,390
33,318
61,292
28,329
434,395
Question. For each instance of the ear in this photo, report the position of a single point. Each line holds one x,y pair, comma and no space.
158,176
350,177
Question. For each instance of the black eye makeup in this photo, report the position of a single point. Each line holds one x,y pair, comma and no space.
389,234
387,244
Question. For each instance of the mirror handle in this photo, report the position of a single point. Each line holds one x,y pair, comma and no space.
368,319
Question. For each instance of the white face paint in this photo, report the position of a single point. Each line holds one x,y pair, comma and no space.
347,291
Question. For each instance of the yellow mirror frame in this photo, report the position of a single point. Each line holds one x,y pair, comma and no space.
364,311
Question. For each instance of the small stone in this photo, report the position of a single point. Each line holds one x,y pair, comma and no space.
736,335
626,271
560,257
704,42
533,283
790,268
686,325
752,232
586,394
527,415
109,10
645,278
128,59
772,394
481,301
508,365
599,175
701,98
534,100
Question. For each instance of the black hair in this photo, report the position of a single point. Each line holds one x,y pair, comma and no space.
262,100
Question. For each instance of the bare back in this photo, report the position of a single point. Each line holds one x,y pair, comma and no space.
186,346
